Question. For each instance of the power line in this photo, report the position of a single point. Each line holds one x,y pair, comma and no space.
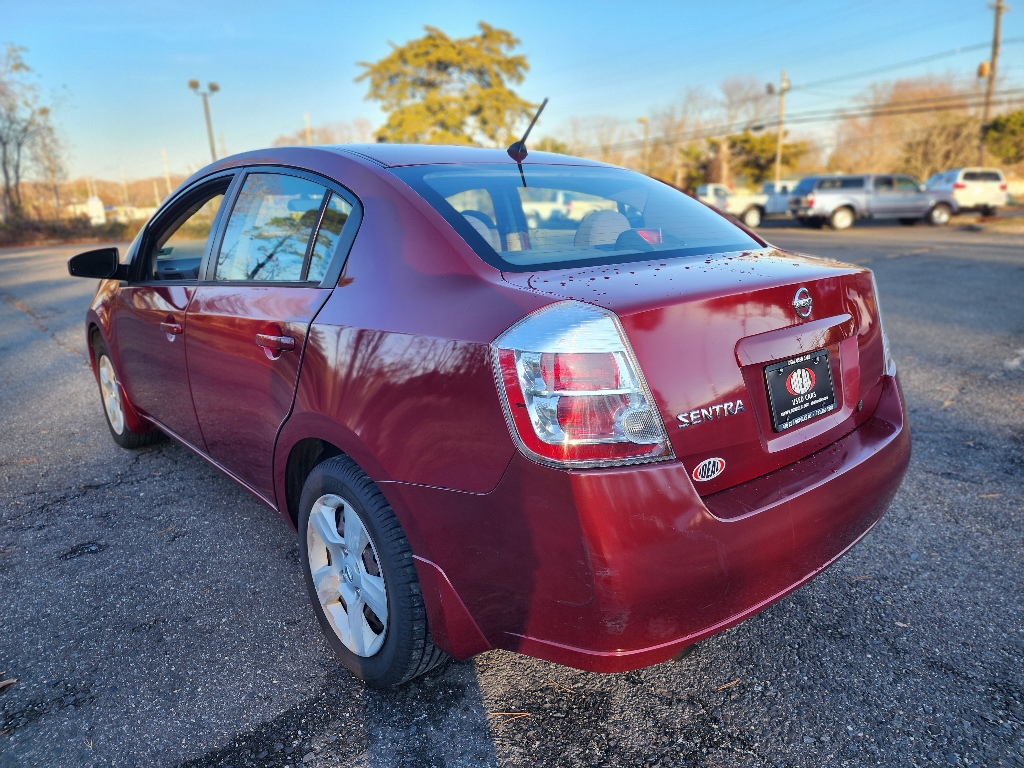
908,63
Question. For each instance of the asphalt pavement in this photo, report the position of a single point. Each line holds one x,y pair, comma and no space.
153,613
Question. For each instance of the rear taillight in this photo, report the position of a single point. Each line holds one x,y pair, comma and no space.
888,366
959,185
810,201
1002,187
573,392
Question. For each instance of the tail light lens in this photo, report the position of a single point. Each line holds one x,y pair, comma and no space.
887,362
573,392
810,201
1002,187
959,185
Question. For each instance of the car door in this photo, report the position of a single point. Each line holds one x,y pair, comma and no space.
884,199
247,323
150,315
912,201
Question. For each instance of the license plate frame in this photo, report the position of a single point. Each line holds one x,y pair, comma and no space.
799,389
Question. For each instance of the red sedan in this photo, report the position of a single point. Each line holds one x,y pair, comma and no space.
558,407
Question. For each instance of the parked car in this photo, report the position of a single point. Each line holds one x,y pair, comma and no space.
777,203
746,207
974,189
840,200
549,208
596,446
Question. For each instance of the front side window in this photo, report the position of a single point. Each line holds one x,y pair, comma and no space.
907,184
570,215
179,247
267,236
883,184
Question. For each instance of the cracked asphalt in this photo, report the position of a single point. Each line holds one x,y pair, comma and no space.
153,614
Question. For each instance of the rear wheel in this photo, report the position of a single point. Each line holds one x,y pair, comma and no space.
113,402
752,217
361,578
841,218
939,214
988,211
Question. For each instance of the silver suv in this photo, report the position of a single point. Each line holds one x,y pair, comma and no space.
974,189
841,200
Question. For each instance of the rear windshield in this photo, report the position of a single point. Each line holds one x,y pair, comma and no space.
573,216
805,186
983,176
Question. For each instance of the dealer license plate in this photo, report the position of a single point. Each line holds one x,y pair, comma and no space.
799,389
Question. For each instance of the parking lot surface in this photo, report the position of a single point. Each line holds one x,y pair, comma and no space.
153,613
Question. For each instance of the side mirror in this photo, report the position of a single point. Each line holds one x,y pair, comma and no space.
100,264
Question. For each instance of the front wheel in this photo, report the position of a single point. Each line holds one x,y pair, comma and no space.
841,218
752,217
939,215
361,579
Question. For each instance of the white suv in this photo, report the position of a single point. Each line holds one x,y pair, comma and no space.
974,189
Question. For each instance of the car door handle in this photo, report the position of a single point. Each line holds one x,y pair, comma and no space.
172,329
276,343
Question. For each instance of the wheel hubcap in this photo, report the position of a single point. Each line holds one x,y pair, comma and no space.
111,395
347,575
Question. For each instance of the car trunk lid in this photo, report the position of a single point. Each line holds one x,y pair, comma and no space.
704,330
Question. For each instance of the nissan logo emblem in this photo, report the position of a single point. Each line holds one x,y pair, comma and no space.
803,302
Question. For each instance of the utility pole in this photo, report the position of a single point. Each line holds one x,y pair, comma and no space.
998,7
784,86
167,171
646,134
211,88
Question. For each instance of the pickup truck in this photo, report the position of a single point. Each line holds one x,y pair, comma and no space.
746,207
778,199
841,200
549,207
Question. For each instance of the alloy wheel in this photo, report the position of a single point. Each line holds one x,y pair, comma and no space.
347,575
111,395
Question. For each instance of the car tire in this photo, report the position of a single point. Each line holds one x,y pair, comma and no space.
908,222
751,217
988,211
939,214
841,218
383,651
113,402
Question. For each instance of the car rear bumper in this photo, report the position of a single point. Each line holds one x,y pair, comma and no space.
613,570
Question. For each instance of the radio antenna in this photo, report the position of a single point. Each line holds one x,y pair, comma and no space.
517,150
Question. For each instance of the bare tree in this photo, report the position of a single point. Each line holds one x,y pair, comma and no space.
49,160
670,156
21,118
744,102
359,131
908,126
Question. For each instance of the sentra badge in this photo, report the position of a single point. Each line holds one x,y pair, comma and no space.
708,469
712,412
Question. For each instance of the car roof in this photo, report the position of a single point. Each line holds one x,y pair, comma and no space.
392,155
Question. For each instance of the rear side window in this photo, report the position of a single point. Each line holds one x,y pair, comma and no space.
883,184
577,216
845,182
268,233
335,215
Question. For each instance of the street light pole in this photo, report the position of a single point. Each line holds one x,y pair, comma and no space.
211,88
998,7
784,86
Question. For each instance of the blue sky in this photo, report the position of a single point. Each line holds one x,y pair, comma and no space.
118,70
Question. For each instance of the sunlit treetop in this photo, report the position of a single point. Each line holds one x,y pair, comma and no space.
440,90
